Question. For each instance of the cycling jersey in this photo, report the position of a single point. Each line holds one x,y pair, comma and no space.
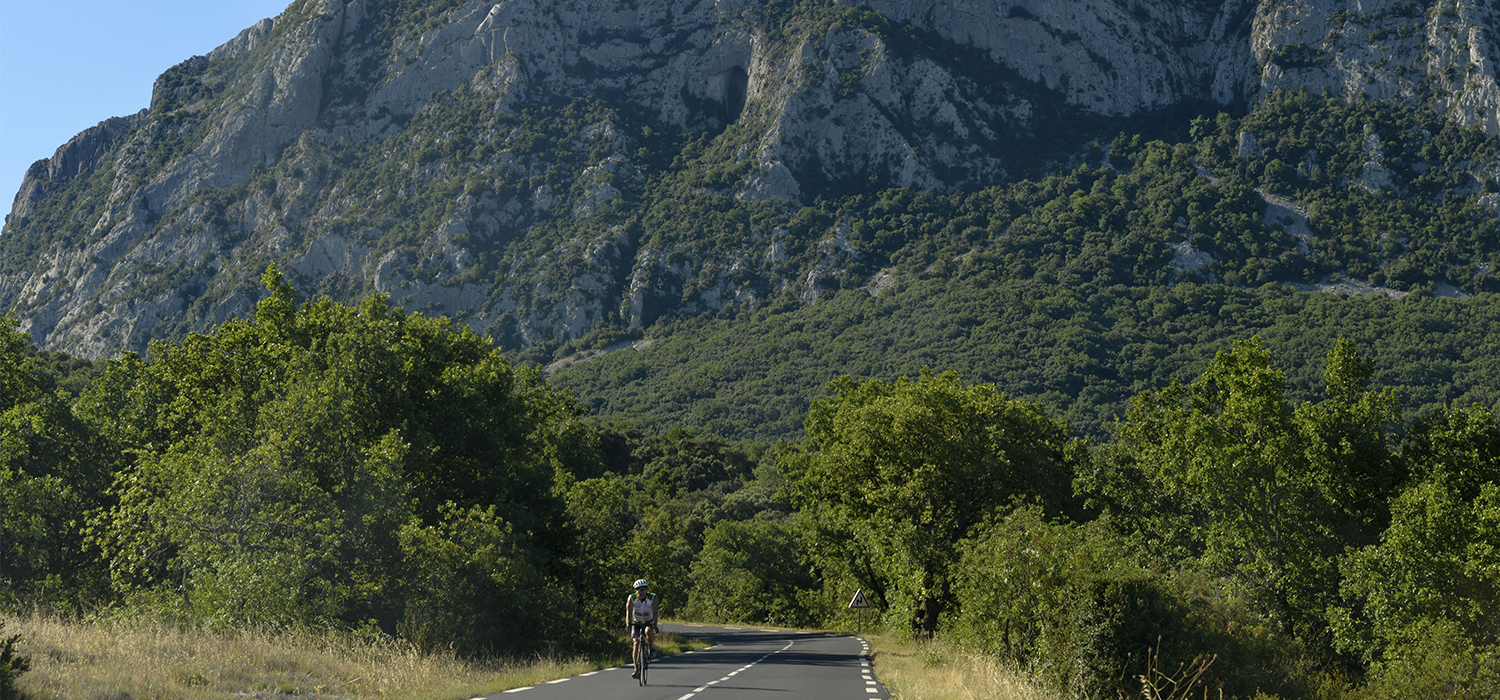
642,609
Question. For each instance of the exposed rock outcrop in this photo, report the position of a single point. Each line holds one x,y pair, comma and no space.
419,155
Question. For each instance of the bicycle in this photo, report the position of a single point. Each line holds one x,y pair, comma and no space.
642,653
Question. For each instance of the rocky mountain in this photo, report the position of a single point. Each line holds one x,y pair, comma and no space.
549,172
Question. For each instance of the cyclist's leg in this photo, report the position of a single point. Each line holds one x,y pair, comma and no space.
635,649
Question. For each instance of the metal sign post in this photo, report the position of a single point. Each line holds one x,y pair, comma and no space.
858,605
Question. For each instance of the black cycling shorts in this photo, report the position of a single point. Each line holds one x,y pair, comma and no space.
636,627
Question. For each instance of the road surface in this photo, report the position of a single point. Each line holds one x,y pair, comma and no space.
746,664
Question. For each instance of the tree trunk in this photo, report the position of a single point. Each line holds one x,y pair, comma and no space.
924,624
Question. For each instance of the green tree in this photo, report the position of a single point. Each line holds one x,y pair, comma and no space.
1066,601
601,519
1436,569
915,463
751,571
280,461
1224,474
476,584
53,471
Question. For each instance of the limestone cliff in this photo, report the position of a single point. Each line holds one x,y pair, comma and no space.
501,161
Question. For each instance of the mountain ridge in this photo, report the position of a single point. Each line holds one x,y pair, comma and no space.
524,167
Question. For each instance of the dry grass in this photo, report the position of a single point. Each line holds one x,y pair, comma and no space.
941,671
141,659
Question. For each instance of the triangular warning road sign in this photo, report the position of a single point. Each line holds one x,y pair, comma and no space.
859,601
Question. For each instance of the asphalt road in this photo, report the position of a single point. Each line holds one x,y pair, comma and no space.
745,664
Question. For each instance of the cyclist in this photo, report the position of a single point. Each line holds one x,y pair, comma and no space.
641,612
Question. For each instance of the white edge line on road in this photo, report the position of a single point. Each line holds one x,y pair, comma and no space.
517,690
700,688
560,680
685,697
590,673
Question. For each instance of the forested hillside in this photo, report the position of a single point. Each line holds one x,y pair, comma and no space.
1082,288
390,472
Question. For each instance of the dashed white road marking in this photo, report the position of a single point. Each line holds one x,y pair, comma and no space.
735,672
517,690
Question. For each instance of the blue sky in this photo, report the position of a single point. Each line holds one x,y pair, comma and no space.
66,66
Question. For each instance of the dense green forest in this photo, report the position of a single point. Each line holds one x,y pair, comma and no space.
362,468
1082,353
1073,287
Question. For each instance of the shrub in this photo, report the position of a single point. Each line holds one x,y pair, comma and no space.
1061,599
12,664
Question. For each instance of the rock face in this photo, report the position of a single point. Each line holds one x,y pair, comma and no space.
1108,57
471,157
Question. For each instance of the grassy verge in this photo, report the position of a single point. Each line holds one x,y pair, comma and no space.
133,659
938,670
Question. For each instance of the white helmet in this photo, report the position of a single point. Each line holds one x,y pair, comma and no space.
640,583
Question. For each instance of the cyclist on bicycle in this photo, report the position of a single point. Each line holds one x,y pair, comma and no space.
641,611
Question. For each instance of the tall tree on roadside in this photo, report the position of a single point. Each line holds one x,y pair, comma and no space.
1227,473
1431,586
911,465
322,463
53,471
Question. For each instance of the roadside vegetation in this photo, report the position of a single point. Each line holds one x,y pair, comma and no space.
387,489
942,670
142,657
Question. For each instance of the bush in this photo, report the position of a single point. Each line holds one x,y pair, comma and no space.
475,584
1442,665
1060,599
12,664
1073,604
